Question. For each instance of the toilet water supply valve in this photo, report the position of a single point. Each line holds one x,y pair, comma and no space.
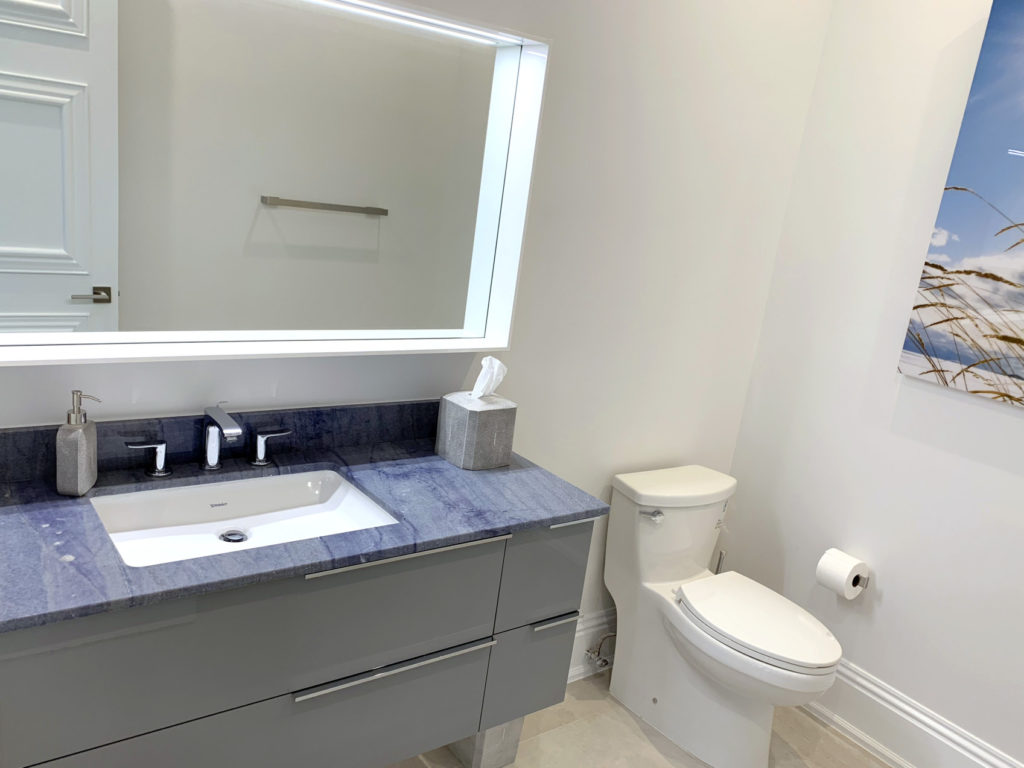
594,654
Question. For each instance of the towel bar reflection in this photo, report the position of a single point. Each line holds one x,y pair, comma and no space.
283,202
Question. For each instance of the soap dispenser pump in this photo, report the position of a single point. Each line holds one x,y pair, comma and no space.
76,450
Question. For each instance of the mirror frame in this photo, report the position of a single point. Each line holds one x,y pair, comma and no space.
520,68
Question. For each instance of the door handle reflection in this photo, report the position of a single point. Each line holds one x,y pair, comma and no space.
100,295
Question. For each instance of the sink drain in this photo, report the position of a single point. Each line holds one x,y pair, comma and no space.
234,536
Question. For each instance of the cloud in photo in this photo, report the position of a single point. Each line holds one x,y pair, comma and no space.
941,237
1007,265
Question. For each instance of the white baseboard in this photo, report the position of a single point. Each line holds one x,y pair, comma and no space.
905,733
856,735
588,631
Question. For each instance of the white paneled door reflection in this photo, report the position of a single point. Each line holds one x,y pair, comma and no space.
58,171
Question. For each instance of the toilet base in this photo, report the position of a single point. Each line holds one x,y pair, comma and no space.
650,677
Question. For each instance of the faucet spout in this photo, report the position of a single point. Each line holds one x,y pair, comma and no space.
228,426
218,423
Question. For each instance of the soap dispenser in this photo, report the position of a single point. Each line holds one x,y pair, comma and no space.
76,450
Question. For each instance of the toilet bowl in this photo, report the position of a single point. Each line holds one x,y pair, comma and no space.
702,657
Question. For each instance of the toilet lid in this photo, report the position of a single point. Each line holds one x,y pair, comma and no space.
758,622
689,486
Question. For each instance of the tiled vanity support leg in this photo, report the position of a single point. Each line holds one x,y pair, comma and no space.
494,748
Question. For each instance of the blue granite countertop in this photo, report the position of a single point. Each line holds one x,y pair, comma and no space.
57,562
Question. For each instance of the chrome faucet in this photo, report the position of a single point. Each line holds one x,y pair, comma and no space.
218,423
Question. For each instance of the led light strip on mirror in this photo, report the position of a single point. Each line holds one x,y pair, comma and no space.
410,19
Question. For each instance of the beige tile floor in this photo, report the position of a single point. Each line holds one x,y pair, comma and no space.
591,729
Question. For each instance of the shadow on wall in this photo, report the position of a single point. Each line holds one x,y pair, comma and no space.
759,523
966,427
301,234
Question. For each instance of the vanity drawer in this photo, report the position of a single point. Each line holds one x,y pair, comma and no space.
529,669
543,574
364,721
82,683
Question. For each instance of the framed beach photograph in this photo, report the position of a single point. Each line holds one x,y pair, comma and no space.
966,328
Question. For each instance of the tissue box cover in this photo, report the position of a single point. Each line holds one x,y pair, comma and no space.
475,433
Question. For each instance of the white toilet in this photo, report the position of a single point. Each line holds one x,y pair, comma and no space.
704,658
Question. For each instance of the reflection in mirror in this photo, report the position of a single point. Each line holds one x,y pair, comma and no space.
292,165
293,100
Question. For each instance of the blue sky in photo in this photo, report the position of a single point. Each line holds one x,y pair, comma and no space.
993,124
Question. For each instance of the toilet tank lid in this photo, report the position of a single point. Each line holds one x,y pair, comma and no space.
689,486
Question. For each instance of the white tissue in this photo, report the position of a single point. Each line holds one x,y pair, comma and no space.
490,377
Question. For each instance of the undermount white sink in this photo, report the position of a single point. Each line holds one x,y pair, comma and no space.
169,524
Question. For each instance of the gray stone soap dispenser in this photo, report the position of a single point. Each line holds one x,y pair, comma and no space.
76,450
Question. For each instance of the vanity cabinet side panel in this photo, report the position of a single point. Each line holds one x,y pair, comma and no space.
366,726
82,683
543,574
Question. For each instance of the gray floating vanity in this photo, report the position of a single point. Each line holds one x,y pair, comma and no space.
354,650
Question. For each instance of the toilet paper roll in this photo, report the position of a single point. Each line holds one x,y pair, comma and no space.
842,573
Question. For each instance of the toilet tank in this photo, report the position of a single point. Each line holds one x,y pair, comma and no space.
665,522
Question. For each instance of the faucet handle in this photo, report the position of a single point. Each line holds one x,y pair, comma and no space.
262,436
159,468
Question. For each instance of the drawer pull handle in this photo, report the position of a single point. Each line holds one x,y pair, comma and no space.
575,522
370,677
556,622
410,556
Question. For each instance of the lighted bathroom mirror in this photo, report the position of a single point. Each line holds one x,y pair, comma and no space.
289,177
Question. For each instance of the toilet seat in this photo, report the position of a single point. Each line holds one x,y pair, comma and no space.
737,670
760,623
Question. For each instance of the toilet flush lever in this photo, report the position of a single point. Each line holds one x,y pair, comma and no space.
654,515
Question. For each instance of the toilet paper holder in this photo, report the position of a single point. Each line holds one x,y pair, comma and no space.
861,581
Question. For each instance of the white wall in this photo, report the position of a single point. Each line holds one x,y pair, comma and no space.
40,395
667,144
665,156
223,101
835,449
